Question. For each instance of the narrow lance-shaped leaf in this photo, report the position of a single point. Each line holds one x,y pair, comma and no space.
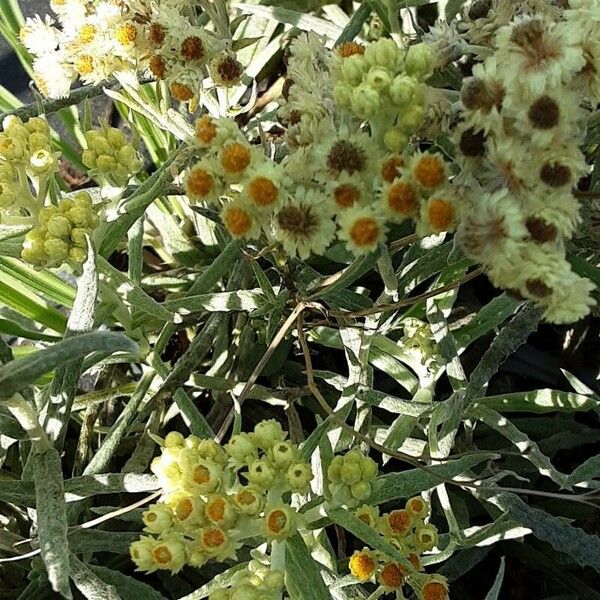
19,373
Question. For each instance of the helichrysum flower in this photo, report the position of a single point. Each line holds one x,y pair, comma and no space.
363,564
167,552
418,507
201,183
248,500
200,476
391,576
158,518
397,523
299,475
435,587
400,199
261,474
304,223
362,228
369,515
220,511
428,171
280,523
241,219
242,449
426,537
262,185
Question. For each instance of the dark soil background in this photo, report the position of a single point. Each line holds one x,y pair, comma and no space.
534,571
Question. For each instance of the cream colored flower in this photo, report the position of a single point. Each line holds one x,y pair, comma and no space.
362,228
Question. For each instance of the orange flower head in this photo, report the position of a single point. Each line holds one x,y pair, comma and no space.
276,521
158,66
206,130
402,198
349,49
213,538
262,191
181,91
429,171
434,590
215,510
399,522
362,565
161,555
201,475
235,158
184,509
237,221
346,195
365,231
199,183
391,576
441,214
390,168
192,48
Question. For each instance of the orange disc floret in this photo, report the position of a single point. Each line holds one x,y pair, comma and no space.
434,590
158,66
84,64
215,510
402,198
362,565
365,231
245,498
199,183
347,49
429,171
161,555
415,505
235,157
391,576
276,521
237,221
213,537
184,508
262,191
126,34
346,195
440,214
399,521
206,129
192,48
181,91
390,168
201,475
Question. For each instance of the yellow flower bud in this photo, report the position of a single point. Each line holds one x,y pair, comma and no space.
42,162
353,69
418,507
115,137
280,523
403,89
202,476
78,236
38,141
351,473
299,476
368,467
38,125
174,439
334,471
158,518
383,53
411,118
366,101
59,226
367,514
77,254
282,454
379,78
242,449
361,490
7,172
106,163
363,564
420,61
127,155
11,148
13,126
261,474
56,249
267,433
342,94
88,158
395,139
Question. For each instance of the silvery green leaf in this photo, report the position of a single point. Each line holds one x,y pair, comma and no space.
300,569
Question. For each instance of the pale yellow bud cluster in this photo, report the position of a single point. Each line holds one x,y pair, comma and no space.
350,477
256,582
62,232
407,531
383,83
110,155
215,497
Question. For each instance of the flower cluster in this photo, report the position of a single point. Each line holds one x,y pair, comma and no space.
519,143
62,233
91,41
258,581
95,39
383,83
27,165
216,497
110,156
407,531
346,188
